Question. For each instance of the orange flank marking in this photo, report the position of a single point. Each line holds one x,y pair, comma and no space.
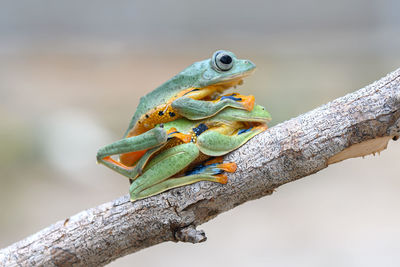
129,159
173,129
184,137
173,132
228,167
110,160
200,94
222,178
215,160
165,113
161,114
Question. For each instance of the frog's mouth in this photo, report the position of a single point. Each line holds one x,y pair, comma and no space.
228,82
254,121
253,126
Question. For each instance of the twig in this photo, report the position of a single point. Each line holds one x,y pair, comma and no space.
354,125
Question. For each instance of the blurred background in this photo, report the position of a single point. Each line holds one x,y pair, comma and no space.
72,73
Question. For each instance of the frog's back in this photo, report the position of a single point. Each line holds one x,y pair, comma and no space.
188,78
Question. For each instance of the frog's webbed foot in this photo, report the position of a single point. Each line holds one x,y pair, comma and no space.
199,109
212,170
213,166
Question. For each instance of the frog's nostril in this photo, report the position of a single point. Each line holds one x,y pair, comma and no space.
249,64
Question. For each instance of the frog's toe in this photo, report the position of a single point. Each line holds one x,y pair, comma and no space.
213,167
228,167
221,178
261,127
248,102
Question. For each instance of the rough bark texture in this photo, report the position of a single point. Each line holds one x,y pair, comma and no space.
354,125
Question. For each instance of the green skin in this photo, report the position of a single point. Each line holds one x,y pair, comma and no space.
199,75
158,175
211,142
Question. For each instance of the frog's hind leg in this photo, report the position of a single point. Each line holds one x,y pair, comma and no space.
147,140
130,172
199,109
130,168
166,164
152,139
212,170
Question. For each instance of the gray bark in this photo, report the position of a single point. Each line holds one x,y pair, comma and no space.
354,125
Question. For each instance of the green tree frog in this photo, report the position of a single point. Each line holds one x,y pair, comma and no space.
192,94
185,157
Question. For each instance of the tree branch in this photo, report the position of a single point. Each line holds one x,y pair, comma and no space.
354,125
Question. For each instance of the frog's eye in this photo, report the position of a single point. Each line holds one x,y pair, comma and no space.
222,61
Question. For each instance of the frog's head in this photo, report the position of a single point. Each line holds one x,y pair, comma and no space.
258,114
256,119
223,70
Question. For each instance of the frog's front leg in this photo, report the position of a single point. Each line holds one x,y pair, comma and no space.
161,167
212,170
199,109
